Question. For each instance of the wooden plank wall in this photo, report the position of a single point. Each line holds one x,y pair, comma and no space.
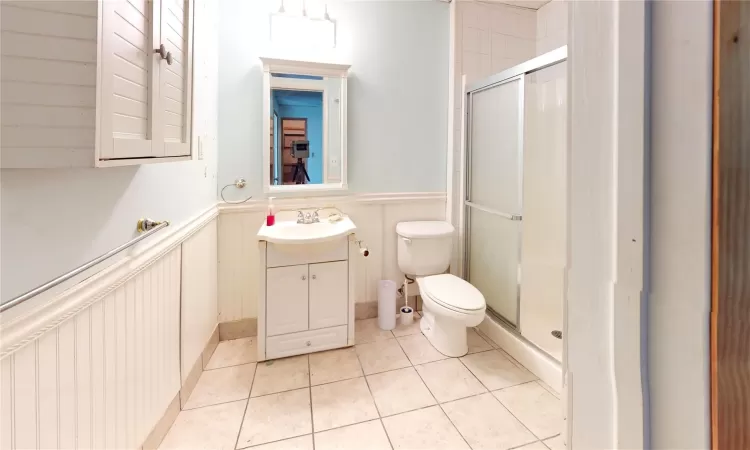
103,378
730,315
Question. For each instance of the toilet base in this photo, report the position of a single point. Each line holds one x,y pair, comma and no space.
446,334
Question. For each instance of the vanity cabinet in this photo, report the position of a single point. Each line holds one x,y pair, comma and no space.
96,83
306,299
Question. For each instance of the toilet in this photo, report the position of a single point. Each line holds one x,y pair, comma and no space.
449,304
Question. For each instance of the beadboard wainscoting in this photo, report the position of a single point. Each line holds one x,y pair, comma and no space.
102,364
375,216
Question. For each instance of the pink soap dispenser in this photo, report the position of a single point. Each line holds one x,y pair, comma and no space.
270,218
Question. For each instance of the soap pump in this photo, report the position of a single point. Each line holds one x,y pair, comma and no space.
270,218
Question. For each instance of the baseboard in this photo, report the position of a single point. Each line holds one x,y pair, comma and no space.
162,427
211,345
369,310
238,329
538,362
190,381
365,310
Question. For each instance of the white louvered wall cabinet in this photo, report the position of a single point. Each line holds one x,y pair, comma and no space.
83,86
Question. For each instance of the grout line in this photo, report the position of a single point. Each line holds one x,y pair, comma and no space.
528,443
247,405
278,440
515,417
309,391
382,425
380,416
454,425
227,367
214,404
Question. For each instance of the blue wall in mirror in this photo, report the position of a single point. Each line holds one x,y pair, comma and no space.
305,105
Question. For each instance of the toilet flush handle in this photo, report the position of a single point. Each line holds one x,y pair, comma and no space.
406,240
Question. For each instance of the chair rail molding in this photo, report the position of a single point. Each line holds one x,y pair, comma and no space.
27,322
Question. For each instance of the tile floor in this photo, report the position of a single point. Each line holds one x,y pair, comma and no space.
392,390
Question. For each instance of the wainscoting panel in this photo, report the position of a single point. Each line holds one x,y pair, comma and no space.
103,377
199,310
375,216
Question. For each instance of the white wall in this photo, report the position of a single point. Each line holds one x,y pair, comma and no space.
679,301
53,220
397,119
551,26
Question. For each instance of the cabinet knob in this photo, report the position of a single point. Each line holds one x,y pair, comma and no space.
314,277
162,51
304,277
309,343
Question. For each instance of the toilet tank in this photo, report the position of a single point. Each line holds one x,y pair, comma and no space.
424,248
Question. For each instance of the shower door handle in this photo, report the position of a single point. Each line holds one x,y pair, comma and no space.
509,216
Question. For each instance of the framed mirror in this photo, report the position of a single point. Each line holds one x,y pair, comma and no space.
304,146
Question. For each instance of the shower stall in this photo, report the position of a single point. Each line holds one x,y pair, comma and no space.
515,246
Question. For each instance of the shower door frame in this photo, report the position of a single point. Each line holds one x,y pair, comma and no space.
516,73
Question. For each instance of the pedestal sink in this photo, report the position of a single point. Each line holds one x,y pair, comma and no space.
291,232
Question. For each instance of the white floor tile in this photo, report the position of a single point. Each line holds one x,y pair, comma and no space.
486,338
222,386
399,391
367,330
213,427
419,350
233,353
381,356
476,342
449,380
486,424
555,443
423,429
342,403
334,365
362,436
406,330
495,370
533,405
275,417
298,443
281,375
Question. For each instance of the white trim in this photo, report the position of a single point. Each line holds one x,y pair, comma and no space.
602,323
300,67
25,323
254,205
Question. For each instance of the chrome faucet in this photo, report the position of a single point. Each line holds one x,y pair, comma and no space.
307,218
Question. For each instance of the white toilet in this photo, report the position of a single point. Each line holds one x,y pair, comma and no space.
449,304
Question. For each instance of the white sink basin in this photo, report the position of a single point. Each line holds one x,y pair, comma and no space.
291,232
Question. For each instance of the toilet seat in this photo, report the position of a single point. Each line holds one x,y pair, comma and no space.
453,293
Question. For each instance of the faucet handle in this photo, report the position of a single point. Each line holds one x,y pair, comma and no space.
300,217
315,217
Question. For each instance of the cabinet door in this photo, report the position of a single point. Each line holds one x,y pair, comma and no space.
176,78
129,81
329,294
286,299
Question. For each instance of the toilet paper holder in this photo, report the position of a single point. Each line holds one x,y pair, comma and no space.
363,250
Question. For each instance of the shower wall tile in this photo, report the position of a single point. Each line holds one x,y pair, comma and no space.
551,26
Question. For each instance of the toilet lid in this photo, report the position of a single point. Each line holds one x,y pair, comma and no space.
453,292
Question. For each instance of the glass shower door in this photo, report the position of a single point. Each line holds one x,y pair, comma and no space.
494,195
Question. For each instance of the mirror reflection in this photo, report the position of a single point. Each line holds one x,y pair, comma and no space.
297,152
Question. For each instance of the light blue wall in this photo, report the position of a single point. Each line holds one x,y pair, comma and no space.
314,116
397,97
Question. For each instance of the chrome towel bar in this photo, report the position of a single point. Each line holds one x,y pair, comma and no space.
145,226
